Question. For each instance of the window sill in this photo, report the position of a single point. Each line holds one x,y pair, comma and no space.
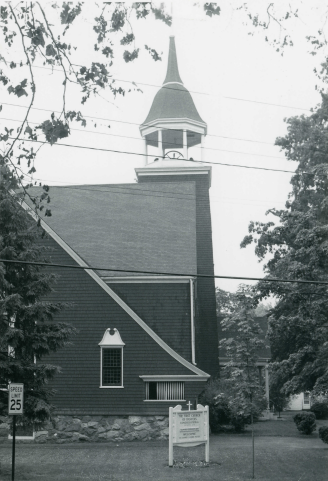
164,400
111,387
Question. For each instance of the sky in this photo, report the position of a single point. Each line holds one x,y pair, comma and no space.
242,88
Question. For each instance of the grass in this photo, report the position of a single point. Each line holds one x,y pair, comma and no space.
281,453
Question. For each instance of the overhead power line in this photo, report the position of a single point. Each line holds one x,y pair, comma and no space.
157,156
140,138
131,191
135,84
209,276
92,117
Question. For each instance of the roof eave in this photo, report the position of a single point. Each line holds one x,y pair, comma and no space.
174,124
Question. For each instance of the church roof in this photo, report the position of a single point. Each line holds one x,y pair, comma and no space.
150,227
173,101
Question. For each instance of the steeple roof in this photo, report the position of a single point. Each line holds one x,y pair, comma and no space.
173,101
172,74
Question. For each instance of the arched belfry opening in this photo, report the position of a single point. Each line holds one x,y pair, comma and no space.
173,124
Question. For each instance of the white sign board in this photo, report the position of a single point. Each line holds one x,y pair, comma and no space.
16,398
188,428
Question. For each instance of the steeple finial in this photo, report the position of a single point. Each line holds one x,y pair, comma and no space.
172,21
172,74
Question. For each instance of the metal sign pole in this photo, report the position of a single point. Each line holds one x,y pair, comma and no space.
15,406
13,450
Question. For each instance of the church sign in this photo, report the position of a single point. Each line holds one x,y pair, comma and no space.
188,428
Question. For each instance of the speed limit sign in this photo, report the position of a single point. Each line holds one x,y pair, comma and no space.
16,398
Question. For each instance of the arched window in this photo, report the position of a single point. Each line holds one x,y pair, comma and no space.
111,359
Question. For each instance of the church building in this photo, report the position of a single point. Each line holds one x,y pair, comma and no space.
143,299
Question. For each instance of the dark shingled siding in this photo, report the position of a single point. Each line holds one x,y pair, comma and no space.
205,325
165,308
92,312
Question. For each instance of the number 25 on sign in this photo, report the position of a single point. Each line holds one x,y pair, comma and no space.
16,398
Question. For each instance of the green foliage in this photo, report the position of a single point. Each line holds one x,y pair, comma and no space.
240,349
28,331
153,53
225,301
320,409
212,9
278,399
19,90
323,434
130,56
225,409
305,422
54,129
129,38
69,13
296,248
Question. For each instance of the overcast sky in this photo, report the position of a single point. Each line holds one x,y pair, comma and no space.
242,89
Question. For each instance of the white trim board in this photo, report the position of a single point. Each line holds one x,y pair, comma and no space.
171,377
114,296
147,279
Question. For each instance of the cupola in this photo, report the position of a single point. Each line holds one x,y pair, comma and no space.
173,124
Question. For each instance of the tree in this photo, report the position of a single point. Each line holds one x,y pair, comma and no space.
28,331
241,348
278,399
296,249
42,34
226,303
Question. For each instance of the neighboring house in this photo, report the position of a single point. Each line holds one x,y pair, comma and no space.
147,333
300,402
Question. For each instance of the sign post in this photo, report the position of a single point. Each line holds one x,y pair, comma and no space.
15,407
188,428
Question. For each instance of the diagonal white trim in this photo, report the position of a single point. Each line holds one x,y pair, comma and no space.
113,295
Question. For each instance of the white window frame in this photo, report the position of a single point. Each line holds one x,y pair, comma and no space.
111,340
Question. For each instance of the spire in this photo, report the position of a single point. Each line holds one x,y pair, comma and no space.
172,74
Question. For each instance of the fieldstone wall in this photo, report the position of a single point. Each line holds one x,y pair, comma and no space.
72,429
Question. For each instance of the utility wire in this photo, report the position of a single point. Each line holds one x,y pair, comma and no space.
139,138
157,156
208,276
85,187
192,197
130,123
135,84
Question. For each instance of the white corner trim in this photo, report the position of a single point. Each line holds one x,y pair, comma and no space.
192,323
113,295
172,377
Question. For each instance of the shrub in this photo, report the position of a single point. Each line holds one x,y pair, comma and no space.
320,409
323,434
305,422
226,408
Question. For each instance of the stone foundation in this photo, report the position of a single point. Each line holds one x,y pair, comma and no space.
73,429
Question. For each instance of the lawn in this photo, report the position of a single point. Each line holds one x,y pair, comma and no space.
281,454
